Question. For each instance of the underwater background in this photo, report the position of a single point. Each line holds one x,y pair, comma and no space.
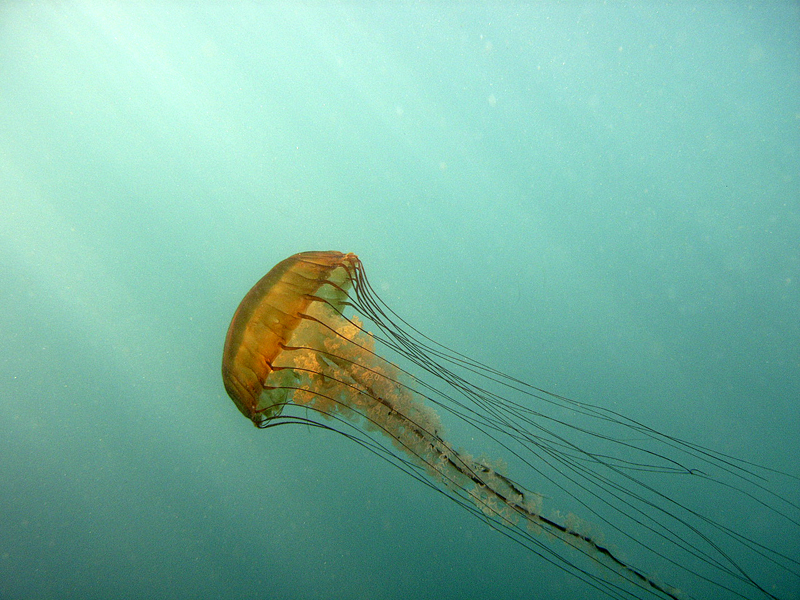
600,199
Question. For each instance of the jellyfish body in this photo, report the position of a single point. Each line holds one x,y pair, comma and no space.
267,320
290,346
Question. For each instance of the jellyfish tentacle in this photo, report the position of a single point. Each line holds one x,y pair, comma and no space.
440,457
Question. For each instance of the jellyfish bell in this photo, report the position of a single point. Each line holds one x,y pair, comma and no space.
293,356
266,320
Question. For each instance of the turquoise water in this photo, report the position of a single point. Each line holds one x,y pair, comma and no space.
602,200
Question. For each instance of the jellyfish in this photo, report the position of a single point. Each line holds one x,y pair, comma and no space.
313,344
